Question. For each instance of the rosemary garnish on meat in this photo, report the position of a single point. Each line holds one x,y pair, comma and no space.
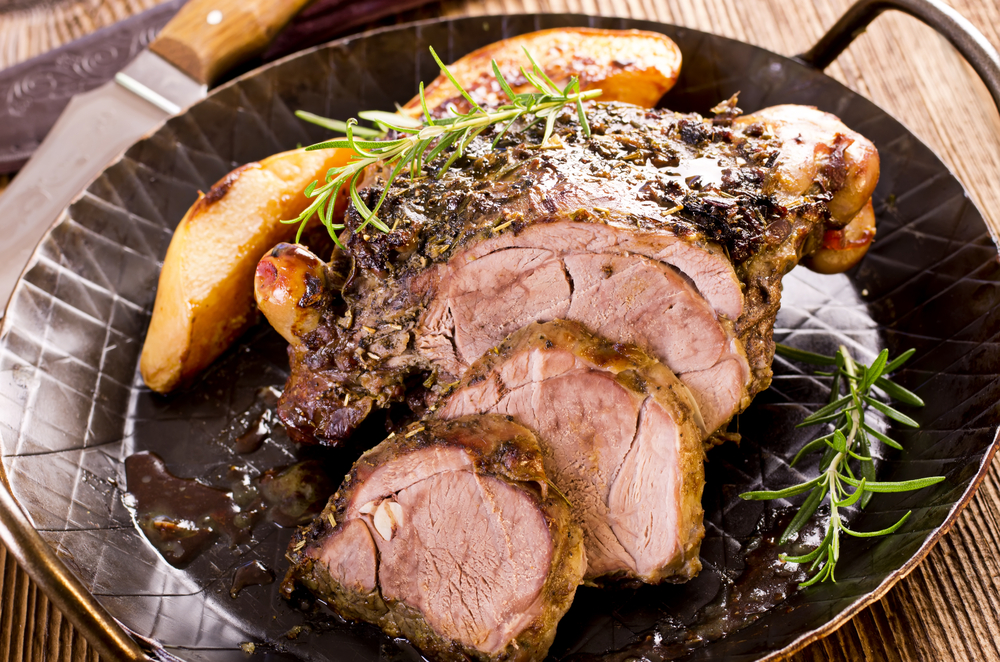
421,141
849,441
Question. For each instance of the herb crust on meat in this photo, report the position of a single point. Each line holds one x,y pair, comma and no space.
703,198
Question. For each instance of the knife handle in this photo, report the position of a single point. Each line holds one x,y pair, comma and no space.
208,37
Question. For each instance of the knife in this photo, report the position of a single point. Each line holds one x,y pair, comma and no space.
34,93
203,40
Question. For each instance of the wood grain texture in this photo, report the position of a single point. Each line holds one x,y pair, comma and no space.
208,37
26,31
949,606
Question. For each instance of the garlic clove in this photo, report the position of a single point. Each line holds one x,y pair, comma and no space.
382,519
396,511
387,518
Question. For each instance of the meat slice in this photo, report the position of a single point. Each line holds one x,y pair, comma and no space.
622,286
703,263
621,440
448,535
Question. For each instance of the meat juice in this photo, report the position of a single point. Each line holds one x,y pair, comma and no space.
182,517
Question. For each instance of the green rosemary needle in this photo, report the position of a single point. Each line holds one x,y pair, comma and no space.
850,441
422,141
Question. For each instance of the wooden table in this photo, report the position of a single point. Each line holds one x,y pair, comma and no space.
949,607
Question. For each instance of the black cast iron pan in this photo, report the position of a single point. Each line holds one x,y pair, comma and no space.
72,405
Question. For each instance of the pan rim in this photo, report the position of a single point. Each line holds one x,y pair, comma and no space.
806,638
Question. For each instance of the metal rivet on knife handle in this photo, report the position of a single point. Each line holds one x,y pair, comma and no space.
204,49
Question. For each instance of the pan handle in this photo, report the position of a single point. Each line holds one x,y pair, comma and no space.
969,41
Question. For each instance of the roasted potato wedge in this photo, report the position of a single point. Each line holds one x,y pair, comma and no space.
844,248
628,65
205,298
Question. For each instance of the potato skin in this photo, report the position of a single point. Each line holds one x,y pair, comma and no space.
205,297
843,248
633,66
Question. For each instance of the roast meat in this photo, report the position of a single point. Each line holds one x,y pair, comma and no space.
631,287
620,437
664,230
449,535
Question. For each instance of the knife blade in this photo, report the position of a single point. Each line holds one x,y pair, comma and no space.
204,39
34,93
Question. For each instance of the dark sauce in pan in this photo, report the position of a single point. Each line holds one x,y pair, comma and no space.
251,428
181,517
766,581
294,494
253,573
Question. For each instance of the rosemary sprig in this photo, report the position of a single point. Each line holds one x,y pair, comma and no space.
849,441
421,141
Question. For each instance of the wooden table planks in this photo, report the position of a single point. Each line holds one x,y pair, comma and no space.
949,607
30,27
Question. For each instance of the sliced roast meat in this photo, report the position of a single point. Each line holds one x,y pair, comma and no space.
704,263
559,270
621,440
448,534
667,230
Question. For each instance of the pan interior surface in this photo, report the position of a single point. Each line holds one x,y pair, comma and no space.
73,406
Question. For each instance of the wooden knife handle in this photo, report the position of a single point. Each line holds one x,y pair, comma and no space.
208,37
